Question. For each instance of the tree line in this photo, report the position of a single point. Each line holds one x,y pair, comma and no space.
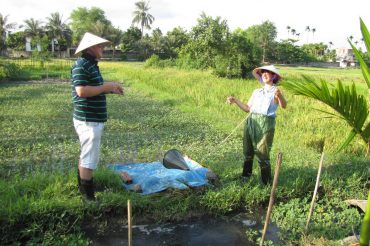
209,44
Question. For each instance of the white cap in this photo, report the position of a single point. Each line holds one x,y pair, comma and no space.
257,72
90,40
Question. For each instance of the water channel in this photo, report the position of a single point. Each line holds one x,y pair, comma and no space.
225,231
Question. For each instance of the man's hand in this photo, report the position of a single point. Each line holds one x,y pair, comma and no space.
114,88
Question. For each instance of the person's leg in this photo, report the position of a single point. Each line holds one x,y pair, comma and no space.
263,155
248,150
90,136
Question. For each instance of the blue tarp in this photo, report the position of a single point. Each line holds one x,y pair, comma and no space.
154,177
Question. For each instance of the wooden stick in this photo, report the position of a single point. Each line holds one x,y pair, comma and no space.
129,221
272,195
315,192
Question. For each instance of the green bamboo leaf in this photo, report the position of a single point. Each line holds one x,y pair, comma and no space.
365,35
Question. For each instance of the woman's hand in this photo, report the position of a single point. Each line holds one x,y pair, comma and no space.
278,94
279,98
231,99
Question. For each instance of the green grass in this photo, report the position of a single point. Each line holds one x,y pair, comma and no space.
163,109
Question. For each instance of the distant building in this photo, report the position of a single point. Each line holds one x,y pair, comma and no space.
29,47
346,57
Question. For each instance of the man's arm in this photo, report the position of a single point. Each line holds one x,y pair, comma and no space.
90,91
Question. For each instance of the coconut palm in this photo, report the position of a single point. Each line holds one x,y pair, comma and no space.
57,29
33,28
308,29
293,31
349,106
313,30
141,16
100,29
5,27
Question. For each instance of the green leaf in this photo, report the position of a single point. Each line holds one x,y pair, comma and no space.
349,106
364,68
365,35
349,139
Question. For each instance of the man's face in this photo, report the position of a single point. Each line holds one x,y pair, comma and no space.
96,51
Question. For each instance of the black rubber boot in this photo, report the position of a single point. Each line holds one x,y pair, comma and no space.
247,168
266,174
87,189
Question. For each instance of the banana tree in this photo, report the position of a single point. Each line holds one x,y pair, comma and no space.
349,105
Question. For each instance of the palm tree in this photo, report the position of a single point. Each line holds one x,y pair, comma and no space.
100,29
57,29
33,29
307,30
348,104
313,30
4,29
293,31
141,16
330,44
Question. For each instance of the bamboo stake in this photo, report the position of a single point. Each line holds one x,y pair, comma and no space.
272,195
315,192
129,221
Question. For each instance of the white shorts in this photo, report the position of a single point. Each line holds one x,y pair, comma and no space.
89,134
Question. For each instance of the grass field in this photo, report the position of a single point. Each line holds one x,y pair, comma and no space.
163,109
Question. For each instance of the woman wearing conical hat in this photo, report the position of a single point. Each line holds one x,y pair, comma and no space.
89,108
260,125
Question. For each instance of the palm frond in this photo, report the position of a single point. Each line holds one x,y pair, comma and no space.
365,35
366,132
349,139
364,68
344,100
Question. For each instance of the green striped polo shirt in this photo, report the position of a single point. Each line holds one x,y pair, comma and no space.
85,72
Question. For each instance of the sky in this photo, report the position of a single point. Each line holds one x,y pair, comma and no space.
334,20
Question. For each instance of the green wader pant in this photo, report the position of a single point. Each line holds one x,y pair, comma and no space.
258,137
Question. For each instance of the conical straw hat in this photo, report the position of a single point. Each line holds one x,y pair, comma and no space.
90,40
257,72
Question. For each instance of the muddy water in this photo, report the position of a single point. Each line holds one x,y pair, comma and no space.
225,231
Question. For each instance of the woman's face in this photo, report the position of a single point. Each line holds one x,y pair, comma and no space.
266,76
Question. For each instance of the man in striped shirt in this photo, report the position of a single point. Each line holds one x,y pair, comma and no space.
90,107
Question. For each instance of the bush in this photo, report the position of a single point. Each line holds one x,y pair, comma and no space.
8,70
155,61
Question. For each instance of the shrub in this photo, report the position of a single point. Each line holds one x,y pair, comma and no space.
8,70
155,61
